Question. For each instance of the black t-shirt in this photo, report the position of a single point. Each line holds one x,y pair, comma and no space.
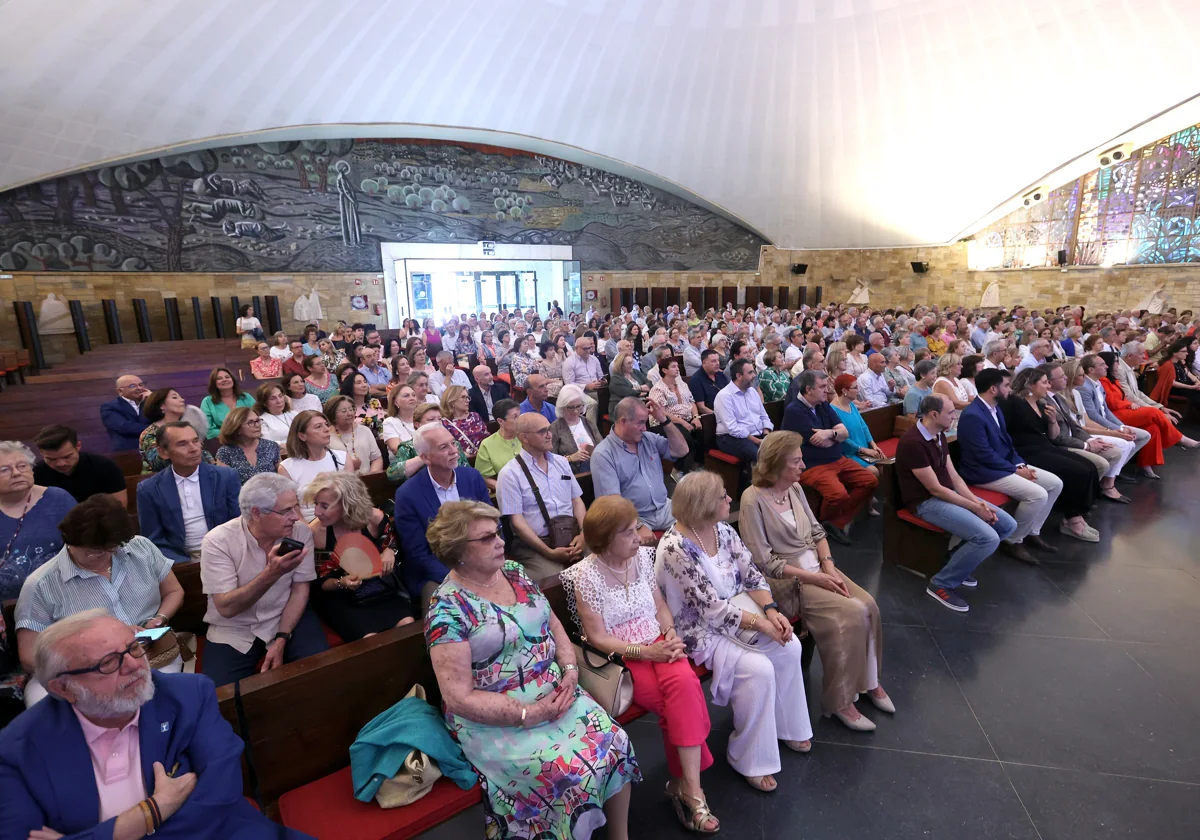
92,475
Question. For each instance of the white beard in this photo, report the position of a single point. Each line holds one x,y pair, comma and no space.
96,708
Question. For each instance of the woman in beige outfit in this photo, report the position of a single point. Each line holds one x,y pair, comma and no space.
785,540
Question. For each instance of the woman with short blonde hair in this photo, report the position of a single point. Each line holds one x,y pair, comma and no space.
729,622
466,426
787,543
519,710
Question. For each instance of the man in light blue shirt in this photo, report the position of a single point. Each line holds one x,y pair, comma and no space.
536,389
378,376
872,385
741,419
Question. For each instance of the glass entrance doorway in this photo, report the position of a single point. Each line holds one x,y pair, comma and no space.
444,288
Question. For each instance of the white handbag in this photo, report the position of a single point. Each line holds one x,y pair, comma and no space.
753,639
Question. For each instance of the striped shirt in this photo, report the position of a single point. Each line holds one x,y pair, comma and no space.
60,588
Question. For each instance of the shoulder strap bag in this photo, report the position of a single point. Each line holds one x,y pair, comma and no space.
560,530
604,677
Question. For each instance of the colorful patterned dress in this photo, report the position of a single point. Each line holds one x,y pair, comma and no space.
550,780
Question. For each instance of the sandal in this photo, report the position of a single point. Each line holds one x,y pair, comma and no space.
693,817
799,746
760,783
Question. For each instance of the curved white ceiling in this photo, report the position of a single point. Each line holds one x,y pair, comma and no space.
821,123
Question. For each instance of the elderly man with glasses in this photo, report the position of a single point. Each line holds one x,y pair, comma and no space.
119,750
255,571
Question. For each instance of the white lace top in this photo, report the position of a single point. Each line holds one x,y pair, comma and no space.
631,617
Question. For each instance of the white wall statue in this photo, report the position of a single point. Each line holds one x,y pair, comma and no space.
54,318
861,296
1154,303
308,308
991,296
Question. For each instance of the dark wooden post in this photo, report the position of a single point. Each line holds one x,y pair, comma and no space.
112,321
30,339
218,320
198,317
817,297
274,322
142,318
174,328
237,312
256,302
80,324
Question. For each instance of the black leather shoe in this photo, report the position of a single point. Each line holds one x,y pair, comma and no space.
1126,479
1019,552
835,533
1034,541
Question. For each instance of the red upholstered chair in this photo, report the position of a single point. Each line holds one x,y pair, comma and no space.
888,446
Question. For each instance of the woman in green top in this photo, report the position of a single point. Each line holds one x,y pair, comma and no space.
774,380
224,395
499,448
405,461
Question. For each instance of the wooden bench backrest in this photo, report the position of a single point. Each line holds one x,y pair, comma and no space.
190,615
881,421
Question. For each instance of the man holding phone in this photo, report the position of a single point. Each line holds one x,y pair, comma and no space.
256,571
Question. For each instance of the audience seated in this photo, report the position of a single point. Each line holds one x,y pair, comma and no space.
742,422
620,610
1107,453
486,392
66,466
442,479
537,390
786,542
843,485
931,488
925,375
122,417
573,435
319,381
625,380
446,375
354,606
101,562
378,376
161,407
243,448
988,459
258,586
264,365
1032,422
177,506
468,428
224,395
538,492
350,437
858,446
872,384
628,462
274,409
29,518
1133,355
1107,406
295,388
105,719
728,622
310,454
499,448
524,712
582,368
1174,377
707,382
398,426
294,364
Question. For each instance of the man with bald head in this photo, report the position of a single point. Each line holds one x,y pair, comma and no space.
118,750
536,390
582,368
537,490
486,392
123,417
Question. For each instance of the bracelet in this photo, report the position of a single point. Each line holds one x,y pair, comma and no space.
153,804
571,667
160,615
147,814
771,606
633,651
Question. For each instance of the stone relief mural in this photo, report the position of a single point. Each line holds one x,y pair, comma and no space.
327,204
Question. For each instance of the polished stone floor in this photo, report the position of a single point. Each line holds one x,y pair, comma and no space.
1059,708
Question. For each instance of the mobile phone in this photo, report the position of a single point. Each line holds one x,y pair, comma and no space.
287,545
153,634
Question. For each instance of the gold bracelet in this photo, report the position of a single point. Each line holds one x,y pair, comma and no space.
147,815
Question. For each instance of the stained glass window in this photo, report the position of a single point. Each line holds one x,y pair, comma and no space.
1140,211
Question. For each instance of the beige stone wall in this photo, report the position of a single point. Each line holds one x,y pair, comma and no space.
90,289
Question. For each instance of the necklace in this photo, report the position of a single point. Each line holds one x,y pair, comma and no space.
622,576
778,500
701,543
488,585
20,522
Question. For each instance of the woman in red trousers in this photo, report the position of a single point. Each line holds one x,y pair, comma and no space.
1163,434
619,608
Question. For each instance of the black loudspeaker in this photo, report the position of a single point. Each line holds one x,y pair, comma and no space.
1062,257
919,267
799,268
817,296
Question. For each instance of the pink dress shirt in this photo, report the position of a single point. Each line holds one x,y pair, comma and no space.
117,763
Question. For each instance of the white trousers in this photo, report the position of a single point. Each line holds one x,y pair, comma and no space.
1127,448
1036,499
769,706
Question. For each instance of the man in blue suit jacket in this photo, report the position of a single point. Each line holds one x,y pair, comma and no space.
187,757
987,458
210,493
122,417
418,501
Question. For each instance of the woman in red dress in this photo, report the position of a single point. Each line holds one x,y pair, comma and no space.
1163,434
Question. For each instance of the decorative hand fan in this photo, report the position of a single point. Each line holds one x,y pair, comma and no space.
358,556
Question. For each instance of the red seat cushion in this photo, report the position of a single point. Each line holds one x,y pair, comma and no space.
723,456
327,810
333,639
910,517
991,496
631,714
888,447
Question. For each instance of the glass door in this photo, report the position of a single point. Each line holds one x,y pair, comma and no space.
422,293
528,290
572,294
489,292
508,291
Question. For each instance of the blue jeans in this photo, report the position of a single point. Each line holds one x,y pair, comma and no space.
743,449
223,664
979,539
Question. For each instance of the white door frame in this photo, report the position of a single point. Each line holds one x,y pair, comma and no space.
396,290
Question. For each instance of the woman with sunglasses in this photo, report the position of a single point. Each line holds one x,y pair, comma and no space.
102,562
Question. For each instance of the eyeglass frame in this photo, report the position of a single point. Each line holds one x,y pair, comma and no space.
142,644
499,535
21,466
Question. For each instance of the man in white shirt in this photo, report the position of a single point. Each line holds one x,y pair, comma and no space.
872,385
741,419
446,375
691,353
582,368
994,353
795,348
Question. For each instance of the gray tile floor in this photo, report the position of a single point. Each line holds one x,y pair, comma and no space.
1059,708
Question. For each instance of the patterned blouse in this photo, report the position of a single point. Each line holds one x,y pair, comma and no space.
266,368
774,384
678,402
468,432
899,377
372,415
701,615
322,394
267,460
521,365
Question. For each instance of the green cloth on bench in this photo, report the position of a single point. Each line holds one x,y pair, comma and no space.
379,751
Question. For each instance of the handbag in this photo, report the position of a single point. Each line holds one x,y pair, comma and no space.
415,777
163,650
560,530
604,677
753,639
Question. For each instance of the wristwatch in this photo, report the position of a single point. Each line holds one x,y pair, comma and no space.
287,637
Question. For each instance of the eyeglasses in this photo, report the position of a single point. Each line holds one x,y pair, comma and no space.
499,535
573,407
253,423
19,467
293,509
110,663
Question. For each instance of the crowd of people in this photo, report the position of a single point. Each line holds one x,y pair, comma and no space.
486,426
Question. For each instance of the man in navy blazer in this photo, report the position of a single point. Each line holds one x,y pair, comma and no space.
179,505
486,384
152,735
122,417
418,501
987,458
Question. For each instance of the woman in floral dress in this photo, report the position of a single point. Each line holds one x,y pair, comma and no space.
552,763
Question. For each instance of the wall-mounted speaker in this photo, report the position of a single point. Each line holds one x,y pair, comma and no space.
919,267
1062,257
1115,155
799,268
1035,196
817,296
